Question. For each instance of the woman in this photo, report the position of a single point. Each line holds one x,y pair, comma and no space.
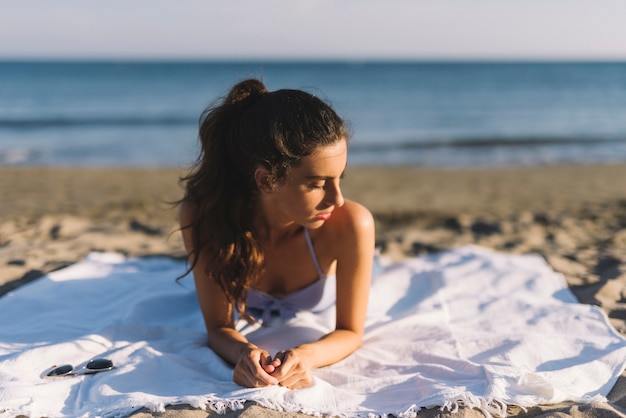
264,219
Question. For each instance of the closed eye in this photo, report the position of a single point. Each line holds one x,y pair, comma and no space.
321,182
317,186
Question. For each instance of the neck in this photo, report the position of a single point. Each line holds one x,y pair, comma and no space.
272,230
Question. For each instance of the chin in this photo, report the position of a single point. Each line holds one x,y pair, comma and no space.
314,224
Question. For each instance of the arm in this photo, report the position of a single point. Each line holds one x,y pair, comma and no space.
252,365
353,242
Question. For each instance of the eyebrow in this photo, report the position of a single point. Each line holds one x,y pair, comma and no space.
342,175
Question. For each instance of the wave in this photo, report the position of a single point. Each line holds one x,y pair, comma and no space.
485,142
18,156
114,121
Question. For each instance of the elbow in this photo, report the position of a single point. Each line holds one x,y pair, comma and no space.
358,341
356,338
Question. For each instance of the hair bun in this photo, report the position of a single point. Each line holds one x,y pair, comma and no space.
244,90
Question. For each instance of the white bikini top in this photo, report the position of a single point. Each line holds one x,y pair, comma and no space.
316,297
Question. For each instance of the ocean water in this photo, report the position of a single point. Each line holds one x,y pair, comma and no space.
400,113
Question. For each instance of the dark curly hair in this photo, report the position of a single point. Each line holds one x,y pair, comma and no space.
251,127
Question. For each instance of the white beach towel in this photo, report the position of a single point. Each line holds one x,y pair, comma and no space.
467,326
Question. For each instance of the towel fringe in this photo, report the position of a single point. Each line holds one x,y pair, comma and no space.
221,406
489,407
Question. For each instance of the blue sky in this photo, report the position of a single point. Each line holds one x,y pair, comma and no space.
313,29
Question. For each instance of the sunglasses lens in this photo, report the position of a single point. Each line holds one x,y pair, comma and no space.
99,364
60,371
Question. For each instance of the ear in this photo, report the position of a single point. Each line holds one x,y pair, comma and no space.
262,179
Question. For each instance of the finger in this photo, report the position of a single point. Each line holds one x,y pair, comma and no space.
276,362
262,378
286,363
253,380
259,372
280,356
298,381
268,364
250,373
244,376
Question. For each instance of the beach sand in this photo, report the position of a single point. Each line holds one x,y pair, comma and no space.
574,216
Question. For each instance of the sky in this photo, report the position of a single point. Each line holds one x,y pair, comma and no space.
314,29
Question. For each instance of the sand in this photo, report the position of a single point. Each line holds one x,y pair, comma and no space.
574,216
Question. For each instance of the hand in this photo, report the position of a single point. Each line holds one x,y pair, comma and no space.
290,370
254,367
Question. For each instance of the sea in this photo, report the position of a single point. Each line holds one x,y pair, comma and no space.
424,114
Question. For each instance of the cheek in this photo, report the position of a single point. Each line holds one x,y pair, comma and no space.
307,202
294,202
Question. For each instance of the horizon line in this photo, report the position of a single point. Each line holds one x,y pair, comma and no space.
305,60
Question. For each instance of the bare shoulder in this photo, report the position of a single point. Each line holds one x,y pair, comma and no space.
354,214
352,220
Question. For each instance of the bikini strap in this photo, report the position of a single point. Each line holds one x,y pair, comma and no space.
312,251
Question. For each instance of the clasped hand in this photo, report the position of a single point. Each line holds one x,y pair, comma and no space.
257,368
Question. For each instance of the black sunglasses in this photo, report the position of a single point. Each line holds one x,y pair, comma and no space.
93,366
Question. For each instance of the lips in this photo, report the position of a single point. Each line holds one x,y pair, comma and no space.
324,216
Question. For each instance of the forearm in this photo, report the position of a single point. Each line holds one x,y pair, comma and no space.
330,349
229,344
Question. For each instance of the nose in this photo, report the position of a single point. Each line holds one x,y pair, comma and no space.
334,197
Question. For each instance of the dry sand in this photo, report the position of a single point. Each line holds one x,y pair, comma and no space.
574,216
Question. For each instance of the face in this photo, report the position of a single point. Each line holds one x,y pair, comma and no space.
311,190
